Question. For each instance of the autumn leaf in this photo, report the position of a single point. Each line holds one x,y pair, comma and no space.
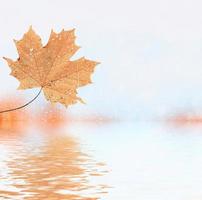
50,67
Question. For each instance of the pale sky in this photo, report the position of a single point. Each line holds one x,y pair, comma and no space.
150,51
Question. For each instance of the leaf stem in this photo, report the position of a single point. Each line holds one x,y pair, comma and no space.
20,107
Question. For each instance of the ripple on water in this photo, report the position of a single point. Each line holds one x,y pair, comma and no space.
53,168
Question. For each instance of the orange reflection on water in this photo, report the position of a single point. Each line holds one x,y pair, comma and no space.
12,121
185,119
56,170
51,118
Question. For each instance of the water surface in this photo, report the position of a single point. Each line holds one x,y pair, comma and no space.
113,161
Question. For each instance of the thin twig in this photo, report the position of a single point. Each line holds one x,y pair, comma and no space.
20,107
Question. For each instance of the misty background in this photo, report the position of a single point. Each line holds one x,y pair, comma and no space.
150,52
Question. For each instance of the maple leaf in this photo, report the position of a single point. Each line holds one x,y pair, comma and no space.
50,67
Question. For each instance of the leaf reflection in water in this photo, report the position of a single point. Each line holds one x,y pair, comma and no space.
57,170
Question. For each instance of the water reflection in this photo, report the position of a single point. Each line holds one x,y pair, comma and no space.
52,168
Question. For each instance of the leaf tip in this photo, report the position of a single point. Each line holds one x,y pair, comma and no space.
73,30
19,87
8,60
97,63
30,28
52,34
78,47
81,101
15,41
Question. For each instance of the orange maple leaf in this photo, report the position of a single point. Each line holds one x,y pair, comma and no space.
50,67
